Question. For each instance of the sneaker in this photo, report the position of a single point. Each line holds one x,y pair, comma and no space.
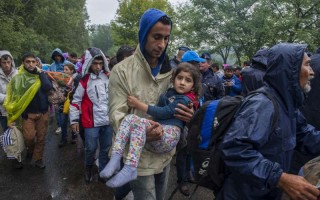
39,164
16,164
58,130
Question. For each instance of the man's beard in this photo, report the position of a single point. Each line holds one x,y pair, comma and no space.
307,87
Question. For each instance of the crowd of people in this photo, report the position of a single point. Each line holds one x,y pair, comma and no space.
133,109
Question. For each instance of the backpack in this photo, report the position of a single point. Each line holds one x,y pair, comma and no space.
13,143
206,131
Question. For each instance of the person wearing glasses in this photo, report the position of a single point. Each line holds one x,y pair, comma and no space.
27,96
91,97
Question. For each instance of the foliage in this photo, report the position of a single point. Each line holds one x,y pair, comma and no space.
126,24
39,26
102,39
243,27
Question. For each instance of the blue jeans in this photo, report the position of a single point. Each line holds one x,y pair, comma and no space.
4,123
103,134
151,187
182,165
64,128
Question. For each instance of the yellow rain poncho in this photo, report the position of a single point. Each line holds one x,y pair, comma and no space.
20,92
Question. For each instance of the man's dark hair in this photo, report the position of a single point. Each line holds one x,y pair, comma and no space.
73,55
123,52
28,54
215,65
5,57
246,63
165,20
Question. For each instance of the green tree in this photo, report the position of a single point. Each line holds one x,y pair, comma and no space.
101,38
126,24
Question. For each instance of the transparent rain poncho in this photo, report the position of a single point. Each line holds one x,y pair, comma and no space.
20,92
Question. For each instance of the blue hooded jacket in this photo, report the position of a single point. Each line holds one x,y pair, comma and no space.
252,77
147,21
255,154
55,66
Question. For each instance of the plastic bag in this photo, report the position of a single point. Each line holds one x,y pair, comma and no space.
20,92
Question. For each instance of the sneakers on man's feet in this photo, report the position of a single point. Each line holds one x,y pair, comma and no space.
39,164
58,131
16,164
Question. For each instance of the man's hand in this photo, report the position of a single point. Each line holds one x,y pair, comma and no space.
75,128
184,113
154,132
12,124
229,84
133,101
297,187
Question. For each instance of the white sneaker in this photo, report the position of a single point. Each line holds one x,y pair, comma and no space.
58,130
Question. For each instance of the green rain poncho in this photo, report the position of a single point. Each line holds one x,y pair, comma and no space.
20,92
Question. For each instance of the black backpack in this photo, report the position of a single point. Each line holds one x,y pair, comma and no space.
206,131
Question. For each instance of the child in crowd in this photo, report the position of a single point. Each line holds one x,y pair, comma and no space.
70,70
186,89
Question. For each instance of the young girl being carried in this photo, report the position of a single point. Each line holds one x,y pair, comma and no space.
186,89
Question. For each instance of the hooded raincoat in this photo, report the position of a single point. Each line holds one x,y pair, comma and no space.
57,66
4,81
91,96
255,154
133,76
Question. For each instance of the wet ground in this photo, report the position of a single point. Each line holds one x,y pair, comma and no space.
63,177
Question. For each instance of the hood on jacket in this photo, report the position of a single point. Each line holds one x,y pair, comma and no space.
57,51
147,21
283,73
260,59
90,55
5,52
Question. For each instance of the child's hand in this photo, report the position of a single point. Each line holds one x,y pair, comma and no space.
133,101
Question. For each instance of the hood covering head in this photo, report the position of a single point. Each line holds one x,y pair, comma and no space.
55,52
260,59
5,52
147,21
283,73
89,56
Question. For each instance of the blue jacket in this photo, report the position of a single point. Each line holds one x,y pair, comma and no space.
212,86
57,66
165,109
235,89
256,155
311,107
252,77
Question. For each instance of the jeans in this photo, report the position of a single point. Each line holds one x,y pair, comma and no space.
151,187
4,123
103,134
64,128
182,165
58,117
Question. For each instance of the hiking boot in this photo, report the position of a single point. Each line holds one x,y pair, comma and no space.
16,164
39,164
88,174
184,189
58,131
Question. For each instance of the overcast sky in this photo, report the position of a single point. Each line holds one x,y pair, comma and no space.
103,11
